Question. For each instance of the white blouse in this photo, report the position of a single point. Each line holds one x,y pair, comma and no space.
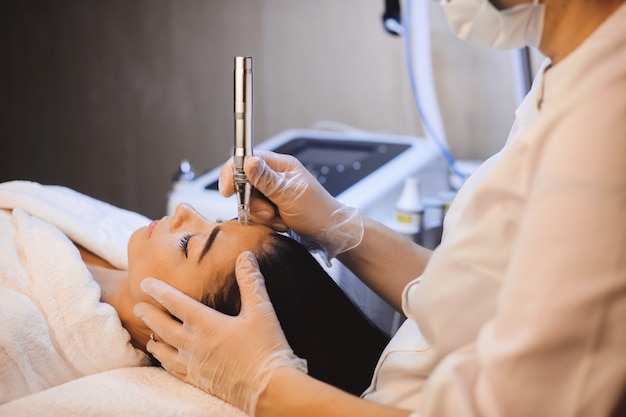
522,308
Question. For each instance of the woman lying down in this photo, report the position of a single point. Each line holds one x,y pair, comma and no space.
70,269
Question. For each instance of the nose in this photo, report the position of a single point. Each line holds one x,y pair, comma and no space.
183,214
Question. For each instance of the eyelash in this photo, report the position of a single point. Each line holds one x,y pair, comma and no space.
184,243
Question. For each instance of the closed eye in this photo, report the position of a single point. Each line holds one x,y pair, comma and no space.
183,243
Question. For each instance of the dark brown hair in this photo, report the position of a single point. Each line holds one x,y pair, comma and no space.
320,322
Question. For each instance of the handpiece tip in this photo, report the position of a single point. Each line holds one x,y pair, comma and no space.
244,216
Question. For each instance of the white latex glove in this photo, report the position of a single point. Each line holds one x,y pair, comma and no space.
300,203
232,358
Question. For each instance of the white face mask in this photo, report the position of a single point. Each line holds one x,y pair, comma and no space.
479,22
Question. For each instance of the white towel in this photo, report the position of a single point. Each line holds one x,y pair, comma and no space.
53,327
98,226
142,392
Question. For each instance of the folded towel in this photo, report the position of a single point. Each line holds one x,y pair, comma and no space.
145,392
98,226
53,327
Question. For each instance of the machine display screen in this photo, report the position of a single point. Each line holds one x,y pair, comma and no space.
339,164
330,155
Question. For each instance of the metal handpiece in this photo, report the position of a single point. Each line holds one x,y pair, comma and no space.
243,134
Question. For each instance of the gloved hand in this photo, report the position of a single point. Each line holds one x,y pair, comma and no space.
299,202
232,358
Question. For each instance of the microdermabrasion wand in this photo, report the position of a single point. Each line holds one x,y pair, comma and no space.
243,134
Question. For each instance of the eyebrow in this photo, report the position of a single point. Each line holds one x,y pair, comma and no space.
209,241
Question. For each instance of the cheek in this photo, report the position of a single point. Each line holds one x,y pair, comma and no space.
138,270
147,259
181,275
161,259
151,255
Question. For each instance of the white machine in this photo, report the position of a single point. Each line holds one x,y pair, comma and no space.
361,169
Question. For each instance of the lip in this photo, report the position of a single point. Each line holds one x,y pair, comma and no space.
151,227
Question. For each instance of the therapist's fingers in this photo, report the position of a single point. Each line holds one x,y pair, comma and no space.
177,303
169,358
184,308
166,354
262,210
225,183
267,177
250,281
159,322
169,331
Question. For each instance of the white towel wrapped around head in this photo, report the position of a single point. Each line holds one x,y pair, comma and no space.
53,327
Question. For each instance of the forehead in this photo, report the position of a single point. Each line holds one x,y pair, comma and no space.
232,239
229,243
234,225
243,237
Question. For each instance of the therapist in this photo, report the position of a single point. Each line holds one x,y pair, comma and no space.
521,311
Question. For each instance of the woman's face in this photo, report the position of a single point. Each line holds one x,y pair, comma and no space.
188,252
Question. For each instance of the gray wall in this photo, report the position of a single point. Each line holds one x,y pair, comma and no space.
108,96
